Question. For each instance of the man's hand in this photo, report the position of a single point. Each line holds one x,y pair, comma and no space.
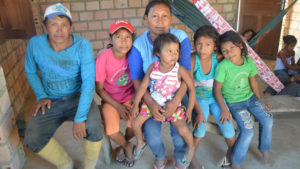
170,107
41,105
79,130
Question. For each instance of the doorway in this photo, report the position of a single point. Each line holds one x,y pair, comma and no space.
255,14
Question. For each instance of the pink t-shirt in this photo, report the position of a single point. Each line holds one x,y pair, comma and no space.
115,75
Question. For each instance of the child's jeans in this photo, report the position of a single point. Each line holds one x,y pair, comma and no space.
241,113
153,137
213,107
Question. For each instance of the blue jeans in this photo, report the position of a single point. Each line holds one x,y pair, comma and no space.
213,107
41,128
241,113
282,72
152,135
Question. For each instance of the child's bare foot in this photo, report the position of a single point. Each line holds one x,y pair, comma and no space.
235,166
129,160
120,156
139,149
266,156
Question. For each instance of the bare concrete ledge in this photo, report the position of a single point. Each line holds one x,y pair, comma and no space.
283,103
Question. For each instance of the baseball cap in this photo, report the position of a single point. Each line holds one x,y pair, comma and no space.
120,23
55,10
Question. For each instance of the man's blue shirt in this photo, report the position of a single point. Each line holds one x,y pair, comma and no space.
63,73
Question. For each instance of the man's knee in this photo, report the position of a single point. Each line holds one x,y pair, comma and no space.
34,140
94,131
94,124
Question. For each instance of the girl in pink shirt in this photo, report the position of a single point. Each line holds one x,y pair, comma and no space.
114,86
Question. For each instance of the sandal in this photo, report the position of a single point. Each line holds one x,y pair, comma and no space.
137,154
185,162
224,163
164,164
120,157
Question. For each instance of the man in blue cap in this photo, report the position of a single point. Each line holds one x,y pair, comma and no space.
67,69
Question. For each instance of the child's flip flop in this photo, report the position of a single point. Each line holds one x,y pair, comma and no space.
164,164
224,163
185,162
137,154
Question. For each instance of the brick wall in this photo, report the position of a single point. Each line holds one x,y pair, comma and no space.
12,57
11,150
92,18
291,25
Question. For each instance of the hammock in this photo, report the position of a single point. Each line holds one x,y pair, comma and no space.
187,13
271,24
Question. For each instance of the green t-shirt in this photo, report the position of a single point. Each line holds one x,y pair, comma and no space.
235,79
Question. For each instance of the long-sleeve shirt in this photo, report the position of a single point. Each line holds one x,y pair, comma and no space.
63,73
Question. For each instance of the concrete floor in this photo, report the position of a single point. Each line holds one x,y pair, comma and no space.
285,151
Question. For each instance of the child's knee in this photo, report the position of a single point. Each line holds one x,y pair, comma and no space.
228,130
200,131
138,122
181,127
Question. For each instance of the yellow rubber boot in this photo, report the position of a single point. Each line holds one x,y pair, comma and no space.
91,152
54,153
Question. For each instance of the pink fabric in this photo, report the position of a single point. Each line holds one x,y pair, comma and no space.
115,75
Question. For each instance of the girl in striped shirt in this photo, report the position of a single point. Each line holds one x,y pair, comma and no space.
163,79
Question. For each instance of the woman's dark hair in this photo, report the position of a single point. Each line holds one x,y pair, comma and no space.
207,31
249,30
289,39
164,39
233,37
155,2
111,35
61,16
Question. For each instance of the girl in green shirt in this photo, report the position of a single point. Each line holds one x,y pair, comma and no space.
235,80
